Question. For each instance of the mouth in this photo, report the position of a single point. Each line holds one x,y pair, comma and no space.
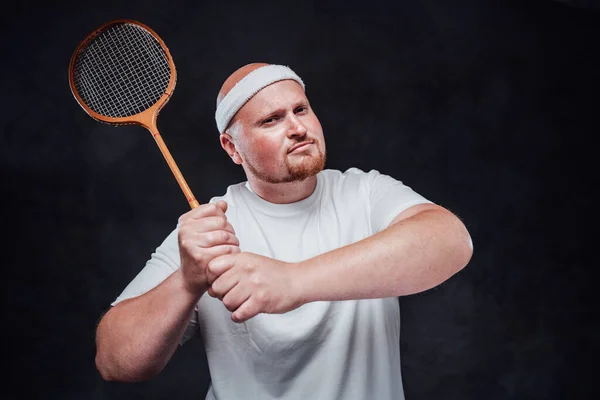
300,146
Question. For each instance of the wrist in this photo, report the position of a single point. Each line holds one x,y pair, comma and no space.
194,291
302,284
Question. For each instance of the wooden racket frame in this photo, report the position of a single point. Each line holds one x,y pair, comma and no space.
146,118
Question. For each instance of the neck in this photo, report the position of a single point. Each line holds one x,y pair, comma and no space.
283,193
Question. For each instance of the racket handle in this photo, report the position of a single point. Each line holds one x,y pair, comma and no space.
178,175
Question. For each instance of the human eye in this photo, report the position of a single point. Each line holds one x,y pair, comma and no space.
269,120
303,109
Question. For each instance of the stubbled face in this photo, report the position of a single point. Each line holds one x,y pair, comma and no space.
277,135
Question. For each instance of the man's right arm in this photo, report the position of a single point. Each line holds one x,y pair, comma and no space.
137,337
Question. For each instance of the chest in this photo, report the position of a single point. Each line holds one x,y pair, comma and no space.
302,235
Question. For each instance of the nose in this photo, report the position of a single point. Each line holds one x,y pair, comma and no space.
296,127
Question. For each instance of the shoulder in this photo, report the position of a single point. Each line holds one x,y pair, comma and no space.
352,182
350,177
231,195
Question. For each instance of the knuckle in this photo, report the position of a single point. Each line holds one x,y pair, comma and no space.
196,255
241,316
261,296
210,267
256,281
229,304
185,217
223,236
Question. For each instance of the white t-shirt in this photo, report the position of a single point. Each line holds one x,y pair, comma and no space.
346,350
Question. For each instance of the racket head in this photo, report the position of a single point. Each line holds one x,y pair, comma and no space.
122,73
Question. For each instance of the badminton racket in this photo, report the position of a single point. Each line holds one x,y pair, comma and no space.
123,73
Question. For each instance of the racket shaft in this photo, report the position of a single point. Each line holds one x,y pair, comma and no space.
178,175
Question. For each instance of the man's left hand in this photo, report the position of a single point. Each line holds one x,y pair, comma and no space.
249,284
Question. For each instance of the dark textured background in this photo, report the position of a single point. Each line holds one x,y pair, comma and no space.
488,108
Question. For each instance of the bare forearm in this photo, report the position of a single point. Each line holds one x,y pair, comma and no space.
137,337
411,256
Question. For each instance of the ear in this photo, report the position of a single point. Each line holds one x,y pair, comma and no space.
228,145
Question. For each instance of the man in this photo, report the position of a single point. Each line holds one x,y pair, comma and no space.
292,277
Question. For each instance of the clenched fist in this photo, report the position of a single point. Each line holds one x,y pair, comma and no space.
249,284
204,233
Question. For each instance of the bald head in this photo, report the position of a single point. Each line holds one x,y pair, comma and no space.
243,84
235,77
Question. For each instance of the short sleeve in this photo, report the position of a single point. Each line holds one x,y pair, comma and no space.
162,263
388,197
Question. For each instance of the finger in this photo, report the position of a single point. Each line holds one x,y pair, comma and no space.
246,311
190,233
206,224
215,252
203,211
235,297
222,204
219,265
194,232
203,256
222,284
216,238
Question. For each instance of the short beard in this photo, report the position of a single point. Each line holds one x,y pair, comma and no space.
295,172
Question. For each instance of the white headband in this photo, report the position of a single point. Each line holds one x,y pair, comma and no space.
251,84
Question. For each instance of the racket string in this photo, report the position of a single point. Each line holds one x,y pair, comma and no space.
123,71
128,74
